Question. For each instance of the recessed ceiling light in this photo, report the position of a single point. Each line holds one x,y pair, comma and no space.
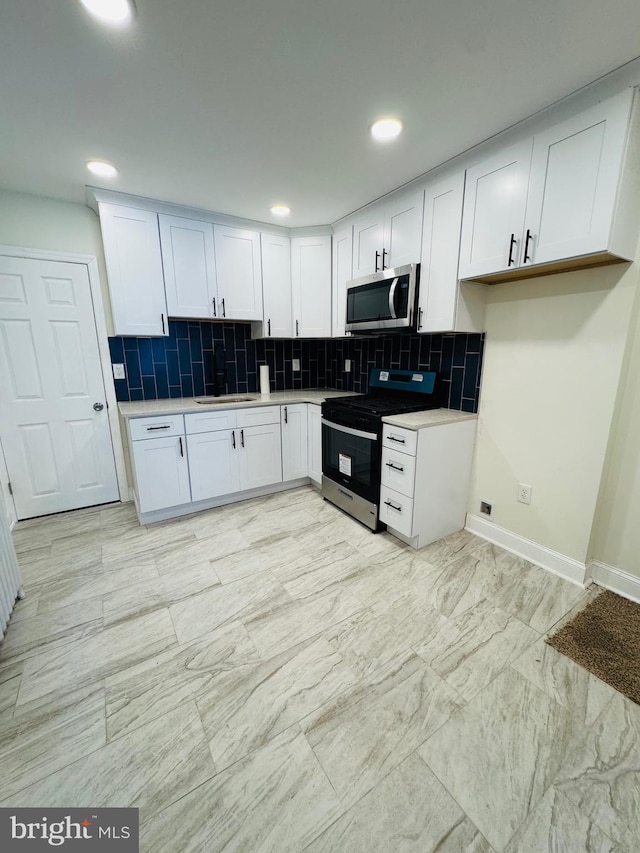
280,210
102,168
110,11
386,128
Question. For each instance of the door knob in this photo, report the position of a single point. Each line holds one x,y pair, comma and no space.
98,407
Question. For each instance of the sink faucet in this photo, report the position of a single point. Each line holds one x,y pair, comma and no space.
219,367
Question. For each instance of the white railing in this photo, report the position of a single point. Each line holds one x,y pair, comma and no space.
10,581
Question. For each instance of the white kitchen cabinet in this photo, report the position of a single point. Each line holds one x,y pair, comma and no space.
188,258
213,463
425,480
388,235
276,286
161,472
314,444
445,304
239,273
134,269
341,274
311,286
260,456
562,199
295,455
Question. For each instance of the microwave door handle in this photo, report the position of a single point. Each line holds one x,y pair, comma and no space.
392,299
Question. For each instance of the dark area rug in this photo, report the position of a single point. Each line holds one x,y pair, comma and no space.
605,639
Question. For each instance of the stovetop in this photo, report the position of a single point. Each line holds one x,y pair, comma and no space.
393,392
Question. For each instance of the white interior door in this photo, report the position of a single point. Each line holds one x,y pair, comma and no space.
57,447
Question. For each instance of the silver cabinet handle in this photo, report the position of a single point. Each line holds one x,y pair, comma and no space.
393,506
399,440
420,312
395,467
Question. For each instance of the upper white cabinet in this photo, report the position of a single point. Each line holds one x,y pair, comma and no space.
560,198
134,268
341,274
311,286
239,273
446,305
388,235
189,267
276,286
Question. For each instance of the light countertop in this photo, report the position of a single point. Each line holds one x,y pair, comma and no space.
428,418
185,405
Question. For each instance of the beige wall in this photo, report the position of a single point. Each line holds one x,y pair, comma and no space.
553,357
616,534
43,223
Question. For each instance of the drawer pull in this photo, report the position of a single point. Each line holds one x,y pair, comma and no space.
399,440
233,438
393,506
166,426
395,467
181,447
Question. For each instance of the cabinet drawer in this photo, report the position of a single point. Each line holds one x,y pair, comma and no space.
208,421
397,438
398,471
156,427
258,416
396,510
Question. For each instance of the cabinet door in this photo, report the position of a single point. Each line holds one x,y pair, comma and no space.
368,239
440,251
134,268
189,267
276,286
162,473
311,286
493,212
214,466
315,443
341,273
575,168
403,230
295,457
260,456
239,273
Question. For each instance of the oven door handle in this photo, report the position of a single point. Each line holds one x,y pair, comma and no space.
392,299
349,430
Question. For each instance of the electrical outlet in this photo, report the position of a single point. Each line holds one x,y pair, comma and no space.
524,493
118,371
295,365
347,365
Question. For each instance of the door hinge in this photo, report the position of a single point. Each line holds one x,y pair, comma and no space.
10,489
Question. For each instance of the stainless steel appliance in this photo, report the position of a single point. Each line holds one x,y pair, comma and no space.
383,301
352,437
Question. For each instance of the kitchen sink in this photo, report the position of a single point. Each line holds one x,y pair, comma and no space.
218,401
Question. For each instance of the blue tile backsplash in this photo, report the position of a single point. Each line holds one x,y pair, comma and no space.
181,365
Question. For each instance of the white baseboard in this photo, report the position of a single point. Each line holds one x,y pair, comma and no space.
616,580
553,561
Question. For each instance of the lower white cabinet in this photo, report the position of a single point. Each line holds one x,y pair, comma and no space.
161,472
260,456
314,444
293,422
213,464
425,477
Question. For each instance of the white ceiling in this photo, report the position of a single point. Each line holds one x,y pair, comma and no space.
233,106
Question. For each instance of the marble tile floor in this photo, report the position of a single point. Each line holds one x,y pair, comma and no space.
269,676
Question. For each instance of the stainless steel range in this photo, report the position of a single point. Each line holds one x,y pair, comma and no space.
352,437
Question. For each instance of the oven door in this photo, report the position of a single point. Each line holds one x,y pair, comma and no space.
351,458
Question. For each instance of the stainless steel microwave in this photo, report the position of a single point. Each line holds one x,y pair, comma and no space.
383,301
